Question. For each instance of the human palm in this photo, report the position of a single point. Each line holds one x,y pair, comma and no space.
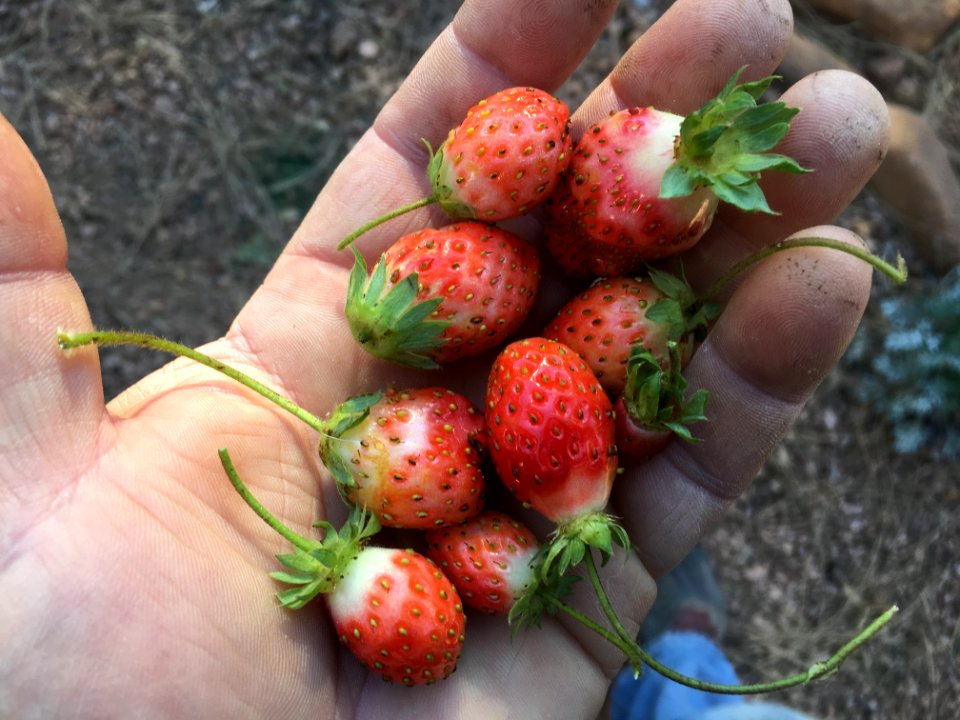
132,577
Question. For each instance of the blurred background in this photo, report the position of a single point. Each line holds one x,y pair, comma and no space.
185,139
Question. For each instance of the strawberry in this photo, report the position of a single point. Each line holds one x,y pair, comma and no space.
438,295
504,159
637,334
412,457
605,320
393,609
399,615
644,184
489,559
551,431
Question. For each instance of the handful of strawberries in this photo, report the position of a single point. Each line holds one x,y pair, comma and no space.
567,406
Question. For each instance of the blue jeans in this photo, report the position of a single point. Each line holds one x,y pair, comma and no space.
654,697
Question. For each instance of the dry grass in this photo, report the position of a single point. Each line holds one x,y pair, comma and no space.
185,139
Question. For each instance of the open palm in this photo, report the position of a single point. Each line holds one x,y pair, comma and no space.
133,580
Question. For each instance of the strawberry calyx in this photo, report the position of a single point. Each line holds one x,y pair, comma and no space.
724,145
680,310
655,398
388,321
344,417
443,193
315,566
541,597
572,540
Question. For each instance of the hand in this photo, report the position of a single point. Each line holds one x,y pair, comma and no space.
132,577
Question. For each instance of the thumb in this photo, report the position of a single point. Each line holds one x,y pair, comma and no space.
51,407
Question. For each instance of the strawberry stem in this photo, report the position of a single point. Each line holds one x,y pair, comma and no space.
815,671
67,341
897,273
298,541
628,648
315,567
396,212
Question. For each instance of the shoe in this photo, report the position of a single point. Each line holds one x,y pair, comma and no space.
688,598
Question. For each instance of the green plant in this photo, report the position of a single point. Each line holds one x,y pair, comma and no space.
912,358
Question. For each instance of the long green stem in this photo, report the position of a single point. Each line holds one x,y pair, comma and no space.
897,273
120,337
397,212
605,603
268,517
627,648
817,670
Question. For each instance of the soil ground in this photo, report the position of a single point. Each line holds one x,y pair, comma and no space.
183,142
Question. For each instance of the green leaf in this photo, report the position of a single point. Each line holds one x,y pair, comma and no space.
722,144
669,410
301,562
351,413
292,579
678,181
749,198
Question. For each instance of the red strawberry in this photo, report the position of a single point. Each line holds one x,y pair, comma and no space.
637,334
505,157
551,430
489,559
503,160
412,457
644,184
399,615
605,320
438,295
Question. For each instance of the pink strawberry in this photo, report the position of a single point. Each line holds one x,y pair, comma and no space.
644,184
411,457
438,295
489,559
393,609
503,160
551,430
399,615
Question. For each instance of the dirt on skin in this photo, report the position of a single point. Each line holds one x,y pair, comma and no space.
185,140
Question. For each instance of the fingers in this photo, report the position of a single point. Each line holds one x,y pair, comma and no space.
50,407
487,47
781,332
294,325
690,53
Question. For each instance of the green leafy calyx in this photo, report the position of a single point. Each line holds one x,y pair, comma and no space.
679,308
443,193
724,146
345,416
315,570
314,566
387,319
655,398
571,541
